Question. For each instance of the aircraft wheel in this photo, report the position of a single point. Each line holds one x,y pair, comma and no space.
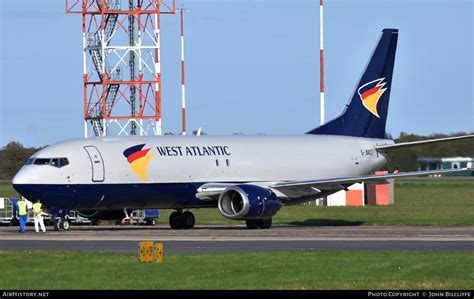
56,223
265,223
188,220
252,224
176,220
64,224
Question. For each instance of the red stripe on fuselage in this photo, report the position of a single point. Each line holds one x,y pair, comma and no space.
137,155
370,92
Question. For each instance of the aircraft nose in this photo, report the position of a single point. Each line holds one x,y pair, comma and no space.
22,182
20,178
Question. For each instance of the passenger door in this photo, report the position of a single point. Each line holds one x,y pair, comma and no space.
98,171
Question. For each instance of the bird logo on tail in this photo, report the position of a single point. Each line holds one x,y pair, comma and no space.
370,94
139,160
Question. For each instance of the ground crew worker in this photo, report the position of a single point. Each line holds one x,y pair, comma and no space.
38,216
22,213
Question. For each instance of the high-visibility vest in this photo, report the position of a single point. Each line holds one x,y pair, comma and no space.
37,208
22,208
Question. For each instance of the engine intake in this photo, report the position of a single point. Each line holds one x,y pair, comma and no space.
245,202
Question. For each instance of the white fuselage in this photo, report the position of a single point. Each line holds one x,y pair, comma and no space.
184,160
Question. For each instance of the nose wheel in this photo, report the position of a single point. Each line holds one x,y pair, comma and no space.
180,220
62,224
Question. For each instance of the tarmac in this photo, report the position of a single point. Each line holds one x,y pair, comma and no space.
237,238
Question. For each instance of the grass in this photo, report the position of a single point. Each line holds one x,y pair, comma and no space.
6,189
417,202
274,270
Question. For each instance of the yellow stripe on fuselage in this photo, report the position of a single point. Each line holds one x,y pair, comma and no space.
140,166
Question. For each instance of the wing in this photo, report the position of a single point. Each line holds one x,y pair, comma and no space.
310,186
298,189
421,142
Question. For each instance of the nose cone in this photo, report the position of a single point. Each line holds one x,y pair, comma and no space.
20,177
25,176
23,182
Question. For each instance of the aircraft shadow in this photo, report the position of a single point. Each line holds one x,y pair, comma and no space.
326,222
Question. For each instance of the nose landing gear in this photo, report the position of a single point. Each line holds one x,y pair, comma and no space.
63,224
180,220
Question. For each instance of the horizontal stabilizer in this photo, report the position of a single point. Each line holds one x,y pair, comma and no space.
421,142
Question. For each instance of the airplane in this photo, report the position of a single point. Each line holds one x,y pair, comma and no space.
246,177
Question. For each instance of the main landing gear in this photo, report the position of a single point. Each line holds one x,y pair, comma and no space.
180,220
259,223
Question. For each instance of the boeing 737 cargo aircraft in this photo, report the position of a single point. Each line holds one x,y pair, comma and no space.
246,177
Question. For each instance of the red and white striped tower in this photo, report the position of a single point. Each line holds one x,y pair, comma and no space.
121,64
321,62
183,89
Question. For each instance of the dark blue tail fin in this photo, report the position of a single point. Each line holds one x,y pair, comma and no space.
366,114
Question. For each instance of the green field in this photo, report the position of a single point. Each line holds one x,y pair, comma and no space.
6,189
271,270
417,202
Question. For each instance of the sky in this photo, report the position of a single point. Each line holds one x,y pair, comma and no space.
252,66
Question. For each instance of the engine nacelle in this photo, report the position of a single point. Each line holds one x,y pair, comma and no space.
245,202
102,214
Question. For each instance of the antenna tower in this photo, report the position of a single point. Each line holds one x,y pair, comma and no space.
121,65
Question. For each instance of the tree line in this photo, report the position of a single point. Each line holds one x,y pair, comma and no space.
12,157
14,154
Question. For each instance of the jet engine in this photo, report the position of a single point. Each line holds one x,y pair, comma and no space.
246,202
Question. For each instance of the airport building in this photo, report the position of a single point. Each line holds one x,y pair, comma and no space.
435,163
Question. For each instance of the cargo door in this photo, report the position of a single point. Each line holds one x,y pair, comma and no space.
98,170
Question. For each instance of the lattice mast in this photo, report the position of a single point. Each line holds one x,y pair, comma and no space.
121,65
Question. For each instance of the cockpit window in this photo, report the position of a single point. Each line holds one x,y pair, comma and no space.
63,162
41,161
56,162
